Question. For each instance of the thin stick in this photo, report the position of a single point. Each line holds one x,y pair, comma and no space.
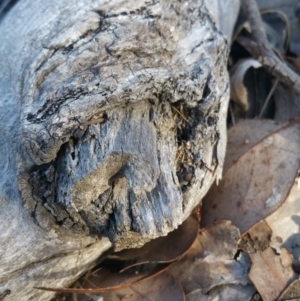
261,49
232,114
268,98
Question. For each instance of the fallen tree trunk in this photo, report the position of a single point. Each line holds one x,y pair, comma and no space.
113,127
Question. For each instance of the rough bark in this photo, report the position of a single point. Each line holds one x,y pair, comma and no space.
112,118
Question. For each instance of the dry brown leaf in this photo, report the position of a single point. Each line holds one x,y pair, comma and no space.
163,249
290,9
238,91
261,165
276,25
285,224
277,28
271,273
210,261
292,293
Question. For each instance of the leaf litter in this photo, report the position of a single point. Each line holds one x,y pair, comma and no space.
261,166
285,224
211,261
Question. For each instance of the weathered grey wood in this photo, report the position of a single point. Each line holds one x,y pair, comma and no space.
112,125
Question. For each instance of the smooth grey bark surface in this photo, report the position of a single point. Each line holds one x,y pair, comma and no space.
112,125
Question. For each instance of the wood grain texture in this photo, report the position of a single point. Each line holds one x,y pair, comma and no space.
112,114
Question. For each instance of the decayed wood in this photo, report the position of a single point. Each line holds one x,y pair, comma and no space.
113,125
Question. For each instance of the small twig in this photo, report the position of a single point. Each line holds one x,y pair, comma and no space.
232,114
261,49
268,98
183,117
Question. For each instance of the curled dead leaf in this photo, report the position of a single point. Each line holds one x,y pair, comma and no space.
277,27
238,90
